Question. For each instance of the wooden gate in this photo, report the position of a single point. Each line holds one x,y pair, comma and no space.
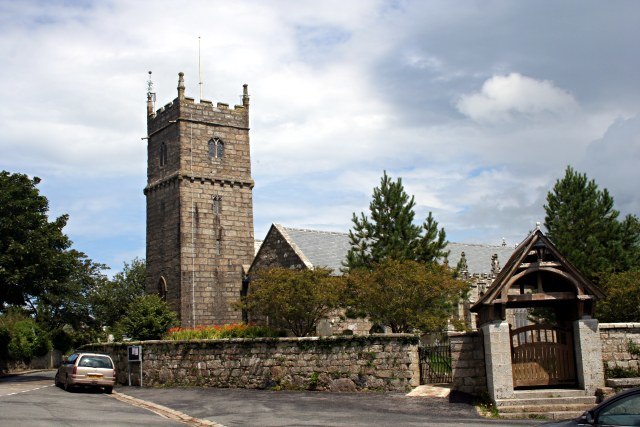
542,355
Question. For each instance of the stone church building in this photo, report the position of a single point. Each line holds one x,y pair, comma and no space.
200,240
297,248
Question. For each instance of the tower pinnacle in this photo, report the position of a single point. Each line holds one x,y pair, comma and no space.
180,85
245,95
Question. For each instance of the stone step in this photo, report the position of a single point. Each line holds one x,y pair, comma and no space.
543,408
537,401
531,394
559,415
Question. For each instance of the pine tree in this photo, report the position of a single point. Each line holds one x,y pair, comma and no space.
391,232
584,226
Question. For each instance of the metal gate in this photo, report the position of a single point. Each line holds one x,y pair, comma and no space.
542,355
435,362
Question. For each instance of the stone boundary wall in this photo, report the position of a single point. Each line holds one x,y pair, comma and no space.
51,360
467,362
615,338
355,363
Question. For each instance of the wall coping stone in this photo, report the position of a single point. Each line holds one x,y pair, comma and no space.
619,325
623,382
411,338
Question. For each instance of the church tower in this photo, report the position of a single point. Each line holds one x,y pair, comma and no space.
199,206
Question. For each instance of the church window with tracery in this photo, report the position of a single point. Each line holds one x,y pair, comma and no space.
215,147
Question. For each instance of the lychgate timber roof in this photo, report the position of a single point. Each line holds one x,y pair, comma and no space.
535,274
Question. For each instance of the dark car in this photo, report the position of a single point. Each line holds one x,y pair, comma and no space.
622,409
88,370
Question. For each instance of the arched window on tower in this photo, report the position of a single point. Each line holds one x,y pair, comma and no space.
163,154
215,148
162,288
211,146
217,205
220,149
217,227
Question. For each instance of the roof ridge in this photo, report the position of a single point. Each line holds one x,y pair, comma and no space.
484,245
308,230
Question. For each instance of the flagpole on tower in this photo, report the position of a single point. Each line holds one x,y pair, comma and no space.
200,69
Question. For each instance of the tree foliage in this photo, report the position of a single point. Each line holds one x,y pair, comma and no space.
147,317
33,251
390,231
622,303
21,338
294,300
71,302
583,224
406,295
120,291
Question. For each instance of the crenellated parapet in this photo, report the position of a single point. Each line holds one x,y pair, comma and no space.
185,108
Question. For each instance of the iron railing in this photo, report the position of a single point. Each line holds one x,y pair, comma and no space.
435,362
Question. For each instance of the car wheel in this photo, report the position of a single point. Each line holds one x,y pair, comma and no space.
108,390
67,385
56,380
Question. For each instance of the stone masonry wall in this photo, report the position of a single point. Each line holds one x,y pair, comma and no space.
615,338
467,362
371,363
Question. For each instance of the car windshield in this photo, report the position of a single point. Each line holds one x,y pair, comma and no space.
95,362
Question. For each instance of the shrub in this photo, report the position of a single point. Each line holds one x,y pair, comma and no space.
235,330
147,317
5,338
619,372
27,340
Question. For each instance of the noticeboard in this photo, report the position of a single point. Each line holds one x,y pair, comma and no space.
134,353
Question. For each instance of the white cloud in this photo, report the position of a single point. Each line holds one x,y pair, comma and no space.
340,91
504,98
613,162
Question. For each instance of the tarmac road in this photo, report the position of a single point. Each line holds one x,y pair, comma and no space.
32,399
241,407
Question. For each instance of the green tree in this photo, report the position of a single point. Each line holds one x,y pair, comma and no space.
630,242
21,338
33,251
147,317
70,304
622,303
120,291
390,231
406,295
68,312
294,300
28,340
583,224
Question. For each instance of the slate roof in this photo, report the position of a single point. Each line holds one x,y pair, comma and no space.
329,249
321,248
478,256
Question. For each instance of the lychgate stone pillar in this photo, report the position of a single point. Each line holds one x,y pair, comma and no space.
588,350
497,356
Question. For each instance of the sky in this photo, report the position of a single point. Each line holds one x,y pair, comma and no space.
478,106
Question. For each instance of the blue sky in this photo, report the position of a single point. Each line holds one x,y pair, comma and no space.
478,106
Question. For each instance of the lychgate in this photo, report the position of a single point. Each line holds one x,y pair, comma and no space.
538,325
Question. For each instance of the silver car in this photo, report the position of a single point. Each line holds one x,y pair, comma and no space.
87,369
622,409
